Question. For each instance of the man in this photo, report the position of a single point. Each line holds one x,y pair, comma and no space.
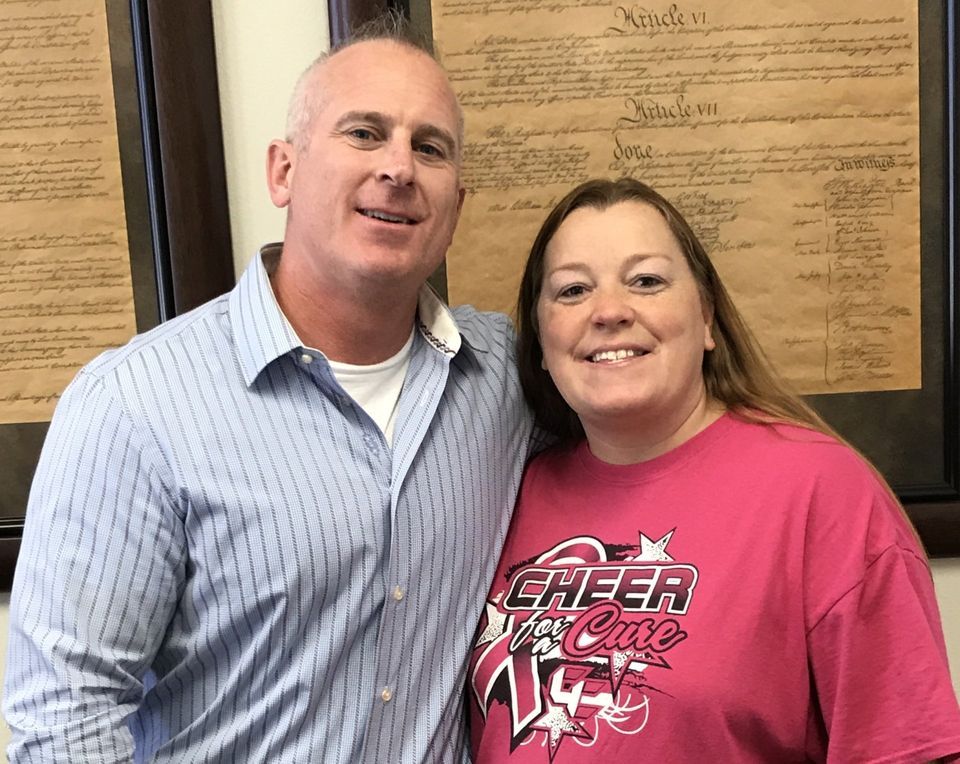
264,530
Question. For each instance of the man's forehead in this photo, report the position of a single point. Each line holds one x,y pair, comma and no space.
361,76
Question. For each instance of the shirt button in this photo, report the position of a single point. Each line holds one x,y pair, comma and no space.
386,695
398,594
306,358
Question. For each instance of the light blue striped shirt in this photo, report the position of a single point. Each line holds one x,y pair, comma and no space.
223,560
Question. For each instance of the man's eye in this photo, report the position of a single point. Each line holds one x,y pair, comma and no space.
362,134
430,150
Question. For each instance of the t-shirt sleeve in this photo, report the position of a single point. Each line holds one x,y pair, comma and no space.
880,667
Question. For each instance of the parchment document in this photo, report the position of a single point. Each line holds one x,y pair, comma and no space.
788,133
65,288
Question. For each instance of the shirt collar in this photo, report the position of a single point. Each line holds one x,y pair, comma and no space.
438,325
263,333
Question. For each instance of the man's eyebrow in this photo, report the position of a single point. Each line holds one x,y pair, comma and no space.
367,117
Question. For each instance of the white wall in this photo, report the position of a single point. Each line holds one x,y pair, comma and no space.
262,47
946,577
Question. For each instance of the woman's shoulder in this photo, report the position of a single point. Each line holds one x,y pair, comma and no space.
843,489
819,470
796,445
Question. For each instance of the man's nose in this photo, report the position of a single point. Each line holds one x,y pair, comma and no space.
398,165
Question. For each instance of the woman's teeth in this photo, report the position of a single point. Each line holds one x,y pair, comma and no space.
612,355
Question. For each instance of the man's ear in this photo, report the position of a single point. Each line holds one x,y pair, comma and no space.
281,162
462,195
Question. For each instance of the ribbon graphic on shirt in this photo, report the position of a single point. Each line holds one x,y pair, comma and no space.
566,641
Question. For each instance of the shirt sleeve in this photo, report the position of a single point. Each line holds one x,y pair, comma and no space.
880,667
101,567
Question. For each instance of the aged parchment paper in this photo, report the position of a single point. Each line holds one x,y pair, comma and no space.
788,133
65,287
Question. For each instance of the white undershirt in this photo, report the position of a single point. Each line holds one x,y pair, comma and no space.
376,388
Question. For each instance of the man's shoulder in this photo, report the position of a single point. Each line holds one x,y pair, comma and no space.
197,331
485,330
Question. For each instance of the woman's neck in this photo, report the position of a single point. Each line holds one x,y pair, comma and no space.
630,440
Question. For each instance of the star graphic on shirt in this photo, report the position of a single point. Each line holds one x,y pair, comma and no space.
558,724
624,661
495,622
619,663
654,551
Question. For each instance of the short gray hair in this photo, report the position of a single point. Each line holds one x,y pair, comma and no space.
391,26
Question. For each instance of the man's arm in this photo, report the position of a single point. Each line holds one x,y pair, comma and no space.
99,573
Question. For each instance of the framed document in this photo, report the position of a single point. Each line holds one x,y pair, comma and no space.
114,200
813,149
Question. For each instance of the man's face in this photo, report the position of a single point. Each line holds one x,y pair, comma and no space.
374,188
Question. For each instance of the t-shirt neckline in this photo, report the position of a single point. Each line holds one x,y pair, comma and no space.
659,465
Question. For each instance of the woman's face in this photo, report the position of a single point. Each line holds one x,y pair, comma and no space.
622,325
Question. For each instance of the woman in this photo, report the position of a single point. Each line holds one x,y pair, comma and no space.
699,570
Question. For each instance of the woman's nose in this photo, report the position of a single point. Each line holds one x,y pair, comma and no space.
611,309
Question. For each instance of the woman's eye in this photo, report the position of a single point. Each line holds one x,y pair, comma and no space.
647,281
574,290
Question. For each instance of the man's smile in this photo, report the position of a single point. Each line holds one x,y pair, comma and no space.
387,217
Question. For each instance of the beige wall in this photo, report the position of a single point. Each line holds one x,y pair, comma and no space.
259,57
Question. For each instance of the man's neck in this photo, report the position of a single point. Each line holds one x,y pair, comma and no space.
357,326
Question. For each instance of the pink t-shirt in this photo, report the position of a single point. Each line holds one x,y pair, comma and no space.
752,596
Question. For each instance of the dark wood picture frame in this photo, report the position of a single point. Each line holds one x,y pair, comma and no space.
913,436
168,116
